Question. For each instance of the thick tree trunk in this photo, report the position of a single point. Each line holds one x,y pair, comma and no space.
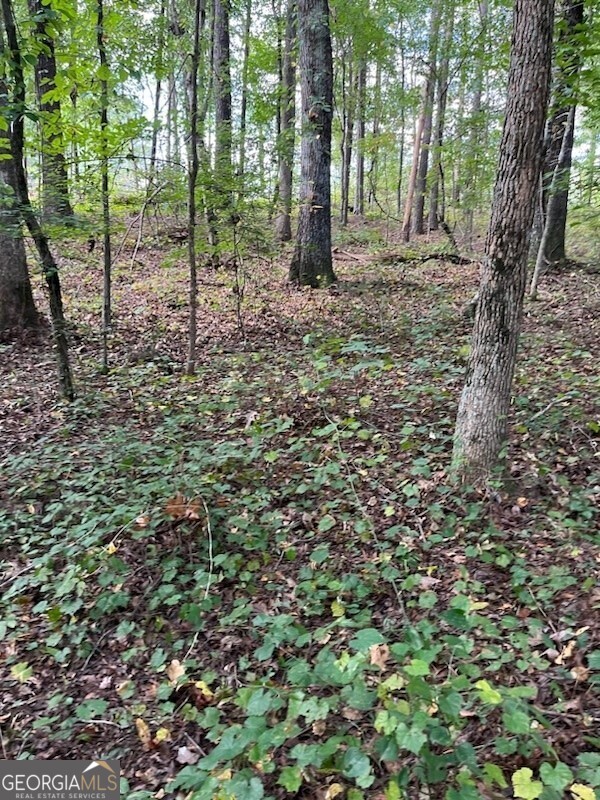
107,265
287,120
55,191
560,133
481,426
312,263
193,167
49,265
17,309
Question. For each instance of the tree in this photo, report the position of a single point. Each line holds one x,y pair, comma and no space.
312,263
49,265
17,309
55,191
481,426
287,115
560,132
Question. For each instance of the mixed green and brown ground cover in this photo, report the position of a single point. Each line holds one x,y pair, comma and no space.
259,582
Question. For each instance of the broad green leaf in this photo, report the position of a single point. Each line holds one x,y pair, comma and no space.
487,694
557,776
290,778
366,638
21,672
523,785
411,739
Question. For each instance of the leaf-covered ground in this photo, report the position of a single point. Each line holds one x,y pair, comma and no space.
259,582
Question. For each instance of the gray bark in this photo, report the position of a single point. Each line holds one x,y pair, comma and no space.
312,262
287,121
481,427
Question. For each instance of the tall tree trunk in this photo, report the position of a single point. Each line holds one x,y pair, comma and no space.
554,205
412,180
17,308
374,165
55,187
222,84
428,98
49,265
244,106
157,96
287,117
193,168
435,206
107,271
348,95
472,168
561,130
312,263
359,200
481,426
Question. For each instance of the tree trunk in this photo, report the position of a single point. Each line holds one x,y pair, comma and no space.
374,165
49,265
412,180
560,132
428,98
55,191
472,168
312,263
194,163
440,120
222,73
556,205
244,106
481,427
359,200
287,117
17,309
348,94
107,267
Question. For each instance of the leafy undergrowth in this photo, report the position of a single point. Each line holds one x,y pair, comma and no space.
259,582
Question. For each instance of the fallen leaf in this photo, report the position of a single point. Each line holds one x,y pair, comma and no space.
580,673
566,653
186,756
334,790
379,655
143,732
175,670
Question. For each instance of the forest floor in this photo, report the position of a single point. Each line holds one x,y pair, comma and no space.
259,581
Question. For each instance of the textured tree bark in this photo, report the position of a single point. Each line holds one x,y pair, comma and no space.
436,204
49,265
359,200
481,426
107,263
428,99
312,262
561,130
55,186
17,308
287,119
349,92
222,72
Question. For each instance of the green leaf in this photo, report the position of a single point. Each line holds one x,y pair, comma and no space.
523,785
487,694
357,765
366,638
326,523
516,722
290,778
91,708
494,775
21,672
411,739
417,667
557,777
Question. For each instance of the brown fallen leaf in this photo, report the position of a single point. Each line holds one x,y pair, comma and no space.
175,670
143,732
379,655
